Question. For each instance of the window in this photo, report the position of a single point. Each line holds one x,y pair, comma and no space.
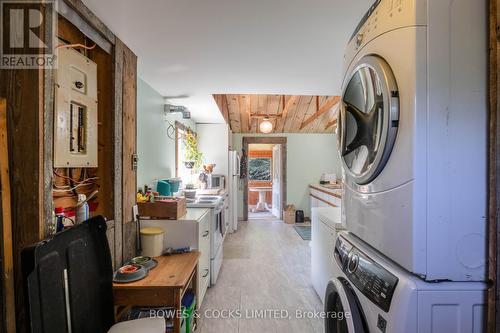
180,151
259,168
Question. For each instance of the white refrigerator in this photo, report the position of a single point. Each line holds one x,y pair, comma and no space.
233,181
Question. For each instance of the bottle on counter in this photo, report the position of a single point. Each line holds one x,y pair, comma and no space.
82,209
59,212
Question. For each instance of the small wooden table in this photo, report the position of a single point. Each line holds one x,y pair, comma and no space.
165,285
262,204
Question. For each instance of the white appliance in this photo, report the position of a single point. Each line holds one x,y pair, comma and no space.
216,181
218,231
382,297
325,222
413,135
234,177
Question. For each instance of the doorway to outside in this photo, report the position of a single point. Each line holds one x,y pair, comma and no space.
265,185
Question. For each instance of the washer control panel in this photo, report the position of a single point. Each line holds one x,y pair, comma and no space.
375,282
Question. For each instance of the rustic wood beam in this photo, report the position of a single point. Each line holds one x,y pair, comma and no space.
492,307
330,102
288,105
6,223
330,124
221,101
265,115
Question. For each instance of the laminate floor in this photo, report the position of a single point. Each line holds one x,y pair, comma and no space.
266,268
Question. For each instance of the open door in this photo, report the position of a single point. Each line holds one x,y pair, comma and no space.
277,209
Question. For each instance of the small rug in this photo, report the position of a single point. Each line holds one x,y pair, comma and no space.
303,231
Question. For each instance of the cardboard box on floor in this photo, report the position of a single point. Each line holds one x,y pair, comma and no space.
289,214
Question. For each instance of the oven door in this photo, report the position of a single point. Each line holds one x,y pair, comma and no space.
369,119
217,229
343,314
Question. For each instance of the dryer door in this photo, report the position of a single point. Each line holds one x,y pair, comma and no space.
369,116
343,314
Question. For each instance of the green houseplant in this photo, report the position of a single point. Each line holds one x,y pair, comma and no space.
193,157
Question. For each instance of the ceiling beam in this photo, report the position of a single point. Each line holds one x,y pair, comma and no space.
221,101
264,115
288,105
330,102
330,124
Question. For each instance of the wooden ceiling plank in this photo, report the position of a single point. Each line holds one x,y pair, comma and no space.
330,124
311,109
332,101
289,116
289,104
234,113
244,110
221,101
305,101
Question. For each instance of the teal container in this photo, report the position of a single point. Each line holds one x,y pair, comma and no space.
175,183
163,188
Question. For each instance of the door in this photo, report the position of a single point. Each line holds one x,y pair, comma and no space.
276,208
341,299
369,119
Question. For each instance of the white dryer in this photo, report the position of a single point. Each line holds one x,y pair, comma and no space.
413,135
369,293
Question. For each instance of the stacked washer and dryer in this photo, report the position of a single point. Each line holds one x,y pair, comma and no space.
413,141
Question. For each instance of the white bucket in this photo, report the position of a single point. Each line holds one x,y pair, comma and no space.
152,242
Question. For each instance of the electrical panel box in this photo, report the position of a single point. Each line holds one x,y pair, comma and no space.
75,118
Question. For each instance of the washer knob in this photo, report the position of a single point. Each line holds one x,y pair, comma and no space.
352,265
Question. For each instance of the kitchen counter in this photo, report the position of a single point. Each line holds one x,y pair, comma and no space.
221,191
193,214
336,192
324,196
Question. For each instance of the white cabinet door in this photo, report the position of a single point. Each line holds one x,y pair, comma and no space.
204,261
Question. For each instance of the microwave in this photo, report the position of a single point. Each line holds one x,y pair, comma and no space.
216,181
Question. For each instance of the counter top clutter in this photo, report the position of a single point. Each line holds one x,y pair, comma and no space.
165,286
189,232
325,195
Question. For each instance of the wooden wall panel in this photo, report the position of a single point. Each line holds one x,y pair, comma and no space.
7,301
493,311
129,137
23,90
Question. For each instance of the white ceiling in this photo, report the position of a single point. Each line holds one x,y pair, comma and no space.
200,47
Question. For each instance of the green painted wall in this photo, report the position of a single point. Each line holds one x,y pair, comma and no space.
308,156
155,149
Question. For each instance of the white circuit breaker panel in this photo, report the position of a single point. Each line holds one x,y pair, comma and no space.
75,118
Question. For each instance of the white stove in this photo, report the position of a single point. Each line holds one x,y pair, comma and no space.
218,230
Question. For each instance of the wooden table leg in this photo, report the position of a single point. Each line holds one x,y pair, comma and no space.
177,307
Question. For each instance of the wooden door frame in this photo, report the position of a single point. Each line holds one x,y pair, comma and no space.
248,140
492,313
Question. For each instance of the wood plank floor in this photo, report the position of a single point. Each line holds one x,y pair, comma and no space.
266,267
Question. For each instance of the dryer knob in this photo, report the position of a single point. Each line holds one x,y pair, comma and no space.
353,263
359,39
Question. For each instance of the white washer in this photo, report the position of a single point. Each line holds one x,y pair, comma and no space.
325,222
379,296
413,135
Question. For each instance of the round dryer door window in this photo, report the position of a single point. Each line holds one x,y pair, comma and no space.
369,116
342,311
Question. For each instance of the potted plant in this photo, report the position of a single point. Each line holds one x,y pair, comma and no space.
193,158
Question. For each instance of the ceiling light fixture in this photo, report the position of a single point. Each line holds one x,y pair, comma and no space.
266,126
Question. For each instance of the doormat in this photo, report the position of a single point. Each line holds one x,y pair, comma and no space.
303,231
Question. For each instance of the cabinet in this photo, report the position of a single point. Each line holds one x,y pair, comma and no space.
321,196
191,230
325,224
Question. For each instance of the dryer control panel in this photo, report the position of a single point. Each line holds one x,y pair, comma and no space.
375,282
